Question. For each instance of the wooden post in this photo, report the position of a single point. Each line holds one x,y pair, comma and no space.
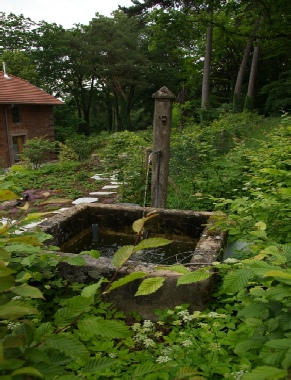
161,146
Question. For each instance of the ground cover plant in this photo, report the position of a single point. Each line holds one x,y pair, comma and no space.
58,330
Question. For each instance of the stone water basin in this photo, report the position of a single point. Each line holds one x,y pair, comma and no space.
178,225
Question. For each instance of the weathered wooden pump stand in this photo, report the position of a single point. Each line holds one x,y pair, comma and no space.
161,146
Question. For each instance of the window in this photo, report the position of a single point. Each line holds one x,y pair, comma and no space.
16,114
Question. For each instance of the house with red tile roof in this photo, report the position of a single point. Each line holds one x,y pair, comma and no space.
26,112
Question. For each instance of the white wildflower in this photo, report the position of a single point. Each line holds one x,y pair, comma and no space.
163,359
149,342
136,326
201,324
166,351
187,343
12,325
230,260
213,314
148,324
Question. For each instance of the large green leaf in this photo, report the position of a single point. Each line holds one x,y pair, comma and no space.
25,239
152,243
247,345
30,371
12,341
125,280
122,255
76,260
73,309
237,280
16,309
91,326
279,274
150,285
23,248
7,195
95,365
265,373
5,271
190,277
90,290
26,290
144,369
68,345
44,329
255,310
138,225
6,283
186,372
175,268
279,344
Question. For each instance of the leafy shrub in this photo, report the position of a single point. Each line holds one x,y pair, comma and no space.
37,151
66,153
83,146
267,191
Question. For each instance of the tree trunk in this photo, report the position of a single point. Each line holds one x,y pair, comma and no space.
250,98
206,69
237,106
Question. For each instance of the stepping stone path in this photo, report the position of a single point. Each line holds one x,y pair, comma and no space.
114,185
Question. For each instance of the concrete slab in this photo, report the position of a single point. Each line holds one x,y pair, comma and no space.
103,193
98,177
84,200
110,187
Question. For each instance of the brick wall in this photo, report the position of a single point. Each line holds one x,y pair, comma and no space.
35,121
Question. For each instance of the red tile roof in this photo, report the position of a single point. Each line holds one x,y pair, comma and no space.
19,91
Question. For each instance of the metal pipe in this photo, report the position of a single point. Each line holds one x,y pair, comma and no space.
95,233
8,136
158,179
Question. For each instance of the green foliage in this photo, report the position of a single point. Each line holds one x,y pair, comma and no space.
67,177
53,329
67,153
37,151
82,146
124,153
266,192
